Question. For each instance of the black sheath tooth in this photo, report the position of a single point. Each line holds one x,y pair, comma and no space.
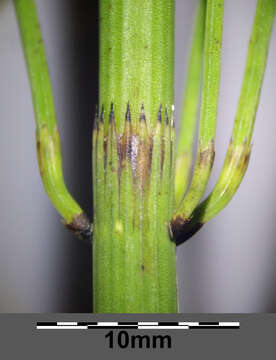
102,114
96,118
159,116
166,116
111,115
128,117
142,113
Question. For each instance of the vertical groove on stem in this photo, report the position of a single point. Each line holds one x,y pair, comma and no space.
134,257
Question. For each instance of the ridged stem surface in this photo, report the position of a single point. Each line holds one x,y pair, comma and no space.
134,266
136,57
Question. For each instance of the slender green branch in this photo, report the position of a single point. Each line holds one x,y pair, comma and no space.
48,143
208,115
184,153
238,152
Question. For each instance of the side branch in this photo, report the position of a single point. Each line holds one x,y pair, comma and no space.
48,143
187,127
208,115
238,153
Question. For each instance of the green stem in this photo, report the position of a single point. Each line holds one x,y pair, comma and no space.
184,154
136,57
48,143
134,267
208,114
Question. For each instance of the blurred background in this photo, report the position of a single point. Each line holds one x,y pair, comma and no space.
229,266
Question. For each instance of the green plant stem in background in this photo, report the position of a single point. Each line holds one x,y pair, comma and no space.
134,266
208,113
187,128
48,143
238,153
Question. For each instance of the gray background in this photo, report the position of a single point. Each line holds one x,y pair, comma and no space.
230,266
254,340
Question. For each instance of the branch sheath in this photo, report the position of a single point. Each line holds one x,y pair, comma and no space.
208,113
48,142
187,128
238,153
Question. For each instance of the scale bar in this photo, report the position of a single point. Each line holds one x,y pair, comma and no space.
139,325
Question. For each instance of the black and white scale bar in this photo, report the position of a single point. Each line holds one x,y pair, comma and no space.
146,325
